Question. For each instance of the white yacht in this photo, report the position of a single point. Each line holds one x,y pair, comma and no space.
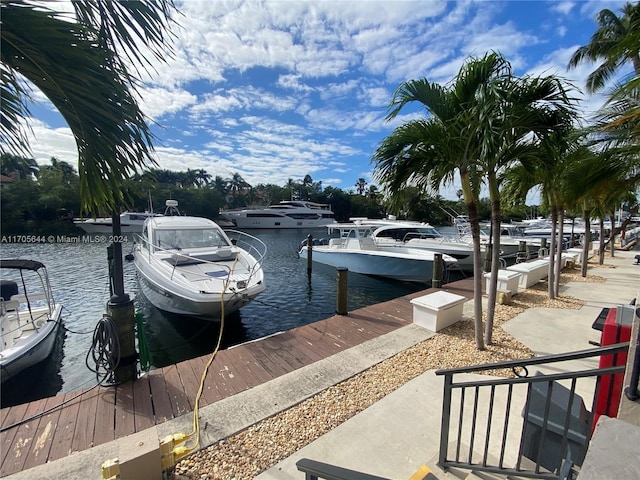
356,250
390,234
130,223
286,214
190,266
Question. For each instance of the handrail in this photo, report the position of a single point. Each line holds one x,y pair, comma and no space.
560,357
314,470
555,429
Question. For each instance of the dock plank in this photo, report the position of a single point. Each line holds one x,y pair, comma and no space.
105,416
190,379
8,446
23,439
86,421
124,410
143,406
162,409
43,436
63,438
232,372
179,401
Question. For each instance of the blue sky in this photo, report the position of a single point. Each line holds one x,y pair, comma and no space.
281,89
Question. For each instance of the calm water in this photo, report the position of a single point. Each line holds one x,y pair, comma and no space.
79,276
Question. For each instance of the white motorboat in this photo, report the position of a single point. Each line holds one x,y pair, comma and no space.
190,266
130,223
511,238
286,214
29,316
392,234
356,250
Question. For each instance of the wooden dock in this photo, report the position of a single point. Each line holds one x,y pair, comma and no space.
103,414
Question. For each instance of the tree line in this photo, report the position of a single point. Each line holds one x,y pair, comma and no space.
46,198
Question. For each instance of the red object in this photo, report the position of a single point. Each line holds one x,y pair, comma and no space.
610,391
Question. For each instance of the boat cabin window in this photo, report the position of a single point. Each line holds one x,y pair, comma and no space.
188,238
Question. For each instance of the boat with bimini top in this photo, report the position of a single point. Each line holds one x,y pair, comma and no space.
29,316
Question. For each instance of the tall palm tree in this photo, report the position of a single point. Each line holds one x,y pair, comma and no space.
512,115
80,65
427,152
614,43
361,186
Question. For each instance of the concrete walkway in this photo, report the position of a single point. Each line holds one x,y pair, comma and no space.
396,436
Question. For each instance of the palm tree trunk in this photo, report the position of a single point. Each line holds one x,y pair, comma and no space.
558,256
586,241
495,257
612,247
552,251
602,243
472,210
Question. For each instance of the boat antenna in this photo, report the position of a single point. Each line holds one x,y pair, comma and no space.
172,208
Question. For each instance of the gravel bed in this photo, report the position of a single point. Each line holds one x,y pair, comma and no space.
259,447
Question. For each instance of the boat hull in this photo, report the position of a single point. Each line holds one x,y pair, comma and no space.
190,266
280,222
32,350
375,264
107,228
182,302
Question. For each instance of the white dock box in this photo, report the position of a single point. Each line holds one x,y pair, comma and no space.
508,280
577,251
437,310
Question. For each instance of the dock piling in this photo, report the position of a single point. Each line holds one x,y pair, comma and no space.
309,253
341,301
436,281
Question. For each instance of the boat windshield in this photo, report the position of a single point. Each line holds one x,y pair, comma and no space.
188,238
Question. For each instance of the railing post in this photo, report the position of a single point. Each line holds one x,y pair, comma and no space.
446,419
631,391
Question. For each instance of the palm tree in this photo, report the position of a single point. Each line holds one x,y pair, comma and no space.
518,111
67,172
77,66
427,152
361,186
82,65
219,184
21,167
614,43
292,186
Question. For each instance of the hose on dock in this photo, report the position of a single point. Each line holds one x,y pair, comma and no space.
104,350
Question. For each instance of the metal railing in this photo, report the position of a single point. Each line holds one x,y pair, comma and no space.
314,470
549,436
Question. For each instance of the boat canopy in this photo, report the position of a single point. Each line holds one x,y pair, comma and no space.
21,264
